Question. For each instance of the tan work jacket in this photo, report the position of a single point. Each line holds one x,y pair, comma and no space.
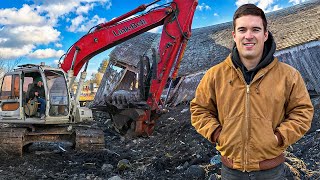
275,100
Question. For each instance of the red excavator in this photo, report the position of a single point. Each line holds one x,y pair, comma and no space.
64,118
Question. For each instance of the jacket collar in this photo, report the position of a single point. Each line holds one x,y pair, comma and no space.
261,72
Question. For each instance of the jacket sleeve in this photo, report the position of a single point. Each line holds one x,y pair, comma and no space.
298,112
204,115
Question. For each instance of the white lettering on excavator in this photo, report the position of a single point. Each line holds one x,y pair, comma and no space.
129,28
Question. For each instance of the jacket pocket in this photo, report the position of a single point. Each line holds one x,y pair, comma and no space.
263,143
230,137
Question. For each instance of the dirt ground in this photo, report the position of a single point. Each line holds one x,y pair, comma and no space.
174,151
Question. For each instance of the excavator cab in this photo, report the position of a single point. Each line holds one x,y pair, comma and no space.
26,127
16,105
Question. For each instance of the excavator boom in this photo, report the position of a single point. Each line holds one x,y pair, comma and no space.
177,15
176,18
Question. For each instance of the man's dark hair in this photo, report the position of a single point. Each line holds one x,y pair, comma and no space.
249,9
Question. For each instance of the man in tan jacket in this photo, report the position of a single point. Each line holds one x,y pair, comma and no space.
251,105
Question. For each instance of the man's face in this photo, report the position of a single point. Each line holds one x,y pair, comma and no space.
39,83
249,36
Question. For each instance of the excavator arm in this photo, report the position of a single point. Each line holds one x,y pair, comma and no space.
176,18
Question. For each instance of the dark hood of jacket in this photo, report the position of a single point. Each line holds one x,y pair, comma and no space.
267,58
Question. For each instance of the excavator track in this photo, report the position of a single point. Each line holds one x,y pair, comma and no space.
88,139
13,140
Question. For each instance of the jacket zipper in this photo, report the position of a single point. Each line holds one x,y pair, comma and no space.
244,150
245,166
247,128
247,121
245,153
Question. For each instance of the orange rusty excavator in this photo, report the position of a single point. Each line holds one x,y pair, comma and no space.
64,117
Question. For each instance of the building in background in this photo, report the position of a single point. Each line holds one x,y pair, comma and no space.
296,31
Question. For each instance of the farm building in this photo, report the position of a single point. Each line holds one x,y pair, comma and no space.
296,31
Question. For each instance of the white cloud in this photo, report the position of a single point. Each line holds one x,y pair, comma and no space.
58,45
215,14
87,24
75,23
203,6
85,9
273,8
242,2
34,34
23,16
22,30
20,40
265,5
60,8
11,53
296,1
46,53
54,11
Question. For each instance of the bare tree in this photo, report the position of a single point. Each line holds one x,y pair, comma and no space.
2,65
7,65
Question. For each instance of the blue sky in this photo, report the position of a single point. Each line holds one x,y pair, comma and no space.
37,31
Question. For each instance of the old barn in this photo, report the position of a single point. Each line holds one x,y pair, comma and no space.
295,29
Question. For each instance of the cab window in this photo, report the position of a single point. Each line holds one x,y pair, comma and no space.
10,87
58,93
